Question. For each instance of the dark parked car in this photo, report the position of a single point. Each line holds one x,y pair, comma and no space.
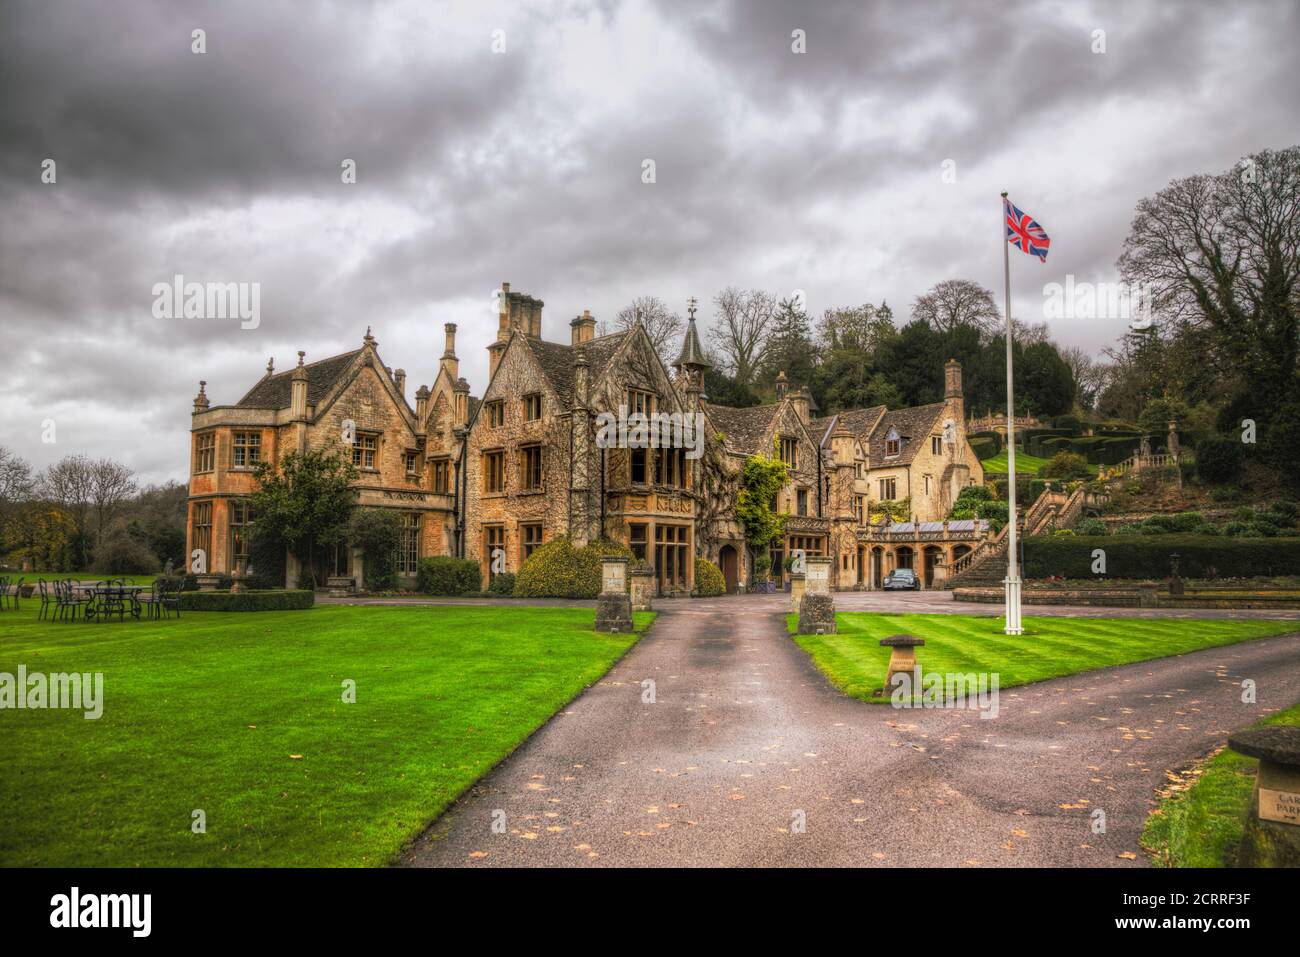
902,578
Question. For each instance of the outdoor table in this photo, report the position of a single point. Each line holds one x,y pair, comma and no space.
100,590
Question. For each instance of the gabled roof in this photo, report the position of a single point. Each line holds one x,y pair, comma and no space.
274,391
743,429
860,422
692,353
556,360
913,426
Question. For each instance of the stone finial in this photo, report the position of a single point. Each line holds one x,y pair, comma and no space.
301,355
201,400
270,366
368,339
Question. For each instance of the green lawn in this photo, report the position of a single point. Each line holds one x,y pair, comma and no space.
205,713
1049,648
1202,825
1026,464
30,578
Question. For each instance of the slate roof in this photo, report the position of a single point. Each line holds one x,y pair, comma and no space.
274,392
858,421
743,429
556,360
914,427
692,353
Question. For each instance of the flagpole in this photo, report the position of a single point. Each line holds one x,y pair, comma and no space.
1012,583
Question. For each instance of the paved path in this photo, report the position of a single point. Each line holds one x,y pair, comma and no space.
744,734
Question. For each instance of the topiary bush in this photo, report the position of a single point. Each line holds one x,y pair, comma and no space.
1065,465
1147,557
709,582
502,583
281,600
558,570
443,575
1218,460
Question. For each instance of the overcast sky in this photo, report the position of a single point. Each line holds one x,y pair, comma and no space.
821,171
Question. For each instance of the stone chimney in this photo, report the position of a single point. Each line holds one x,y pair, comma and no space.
460,404
952,395
201,400
449,361
781,385
581,381
298,390
801,400
399,380
583,328
421,403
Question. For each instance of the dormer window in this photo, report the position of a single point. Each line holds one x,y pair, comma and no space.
640,401
790,451
892,443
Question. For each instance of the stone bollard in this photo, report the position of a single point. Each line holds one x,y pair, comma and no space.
613,604
1272,835
817,607
902,656
642,577
796,590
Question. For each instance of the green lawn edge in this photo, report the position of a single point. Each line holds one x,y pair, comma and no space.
117,791
1051,647
1202,825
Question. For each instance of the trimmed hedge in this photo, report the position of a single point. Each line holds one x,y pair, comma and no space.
990,436
558,570
709,582
443,575
1147,556
502,584
279,600
983,448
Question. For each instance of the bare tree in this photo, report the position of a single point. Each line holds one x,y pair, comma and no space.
69,483
1089,375
741,327
1220,254
111,485
958,302
16,485
662,325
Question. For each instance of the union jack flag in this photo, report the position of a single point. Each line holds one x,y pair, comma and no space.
1024,233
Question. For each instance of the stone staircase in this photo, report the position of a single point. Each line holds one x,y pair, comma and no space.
986,564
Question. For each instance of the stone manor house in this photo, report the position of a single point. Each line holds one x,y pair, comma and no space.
521,465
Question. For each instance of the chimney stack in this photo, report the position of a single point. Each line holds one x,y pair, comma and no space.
449,361
421,403
781,385
298,390
399,380
583,328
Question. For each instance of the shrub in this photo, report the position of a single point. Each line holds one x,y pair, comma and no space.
1259,530
1218,460
121,553
1157,525
709,582
1091,526
975,493
282,600
1132,528
1285,511
993,511
1206,528
1148,557
443,575
378,533
558,570
1065,465
502,583
1226,493
1234,528
266,562
1245,513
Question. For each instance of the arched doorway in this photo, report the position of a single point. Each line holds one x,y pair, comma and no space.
729,561
932,555
877,566
903,557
